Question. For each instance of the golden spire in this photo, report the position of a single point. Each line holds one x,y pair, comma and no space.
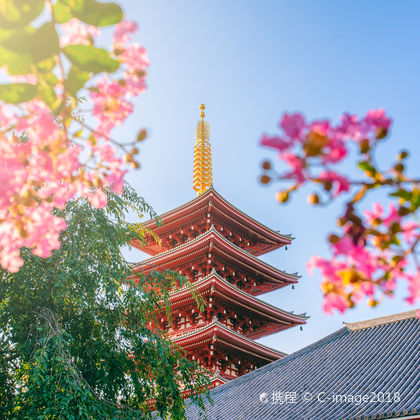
203,172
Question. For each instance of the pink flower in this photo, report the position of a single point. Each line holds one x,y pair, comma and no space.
333,301
275,142
413,288
109,105
410,231
123,31
135,84
293,124
328,268
322,127
367,288
376,213
340,183
348,124
392,217
76,32
98,198
335,151
135,58
296,163
24,78
376,118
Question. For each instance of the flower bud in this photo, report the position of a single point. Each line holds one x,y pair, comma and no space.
266,165
341,221
141,135
381,133
265,179
327,185
403,211
313,199
399,167
364,146
403,154
333,238
282,196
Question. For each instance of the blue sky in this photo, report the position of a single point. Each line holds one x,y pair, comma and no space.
249,62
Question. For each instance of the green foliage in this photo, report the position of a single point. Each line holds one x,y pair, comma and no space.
410,197
88,11
76,80
18,13
28,47
40,43
98,14
75,341
17,92
92,59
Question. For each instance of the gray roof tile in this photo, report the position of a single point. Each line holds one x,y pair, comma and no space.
379,360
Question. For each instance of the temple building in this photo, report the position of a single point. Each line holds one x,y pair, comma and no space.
216,246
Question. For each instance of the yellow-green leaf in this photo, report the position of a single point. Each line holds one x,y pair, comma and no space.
15,93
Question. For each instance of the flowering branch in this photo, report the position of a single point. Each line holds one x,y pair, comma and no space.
49,153
373,249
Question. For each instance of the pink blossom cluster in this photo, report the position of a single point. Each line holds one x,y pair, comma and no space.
304,145
110,97
360,267
78,33
41,170
43,165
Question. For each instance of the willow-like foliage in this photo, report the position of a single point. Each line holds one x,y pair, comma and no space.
75,340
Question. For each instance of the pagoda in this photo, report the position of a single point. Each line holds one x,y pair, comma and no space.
216,246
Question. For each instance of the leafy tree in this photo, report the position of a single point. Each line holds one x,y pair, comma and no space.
76,341
373,249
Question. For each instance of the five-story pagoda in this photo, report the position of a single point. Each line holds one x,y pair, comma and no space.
217,247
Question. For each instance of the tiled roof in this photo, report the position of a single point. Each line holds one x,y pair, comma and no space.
204,197
207,238
377,360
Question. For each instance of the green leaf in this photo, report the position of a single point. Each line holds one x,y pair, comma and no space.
92,59
51,79
16,63
47,93
366,166
76,79
40,43
415,199
47,65
18,13
44,43
96,13
62,12
15,93
406,195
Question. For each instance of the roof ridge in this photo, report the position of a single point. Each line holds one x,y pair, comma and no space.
376,322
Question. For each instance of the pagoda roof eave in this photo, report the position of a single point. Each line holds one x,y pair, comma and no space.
260,228
228,337
251,302
212,233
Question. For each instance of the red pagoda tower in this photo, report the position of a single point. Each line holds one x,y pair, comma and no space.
216,246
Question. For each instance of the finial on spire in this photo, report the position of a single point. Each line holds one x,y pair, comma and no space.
203,173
